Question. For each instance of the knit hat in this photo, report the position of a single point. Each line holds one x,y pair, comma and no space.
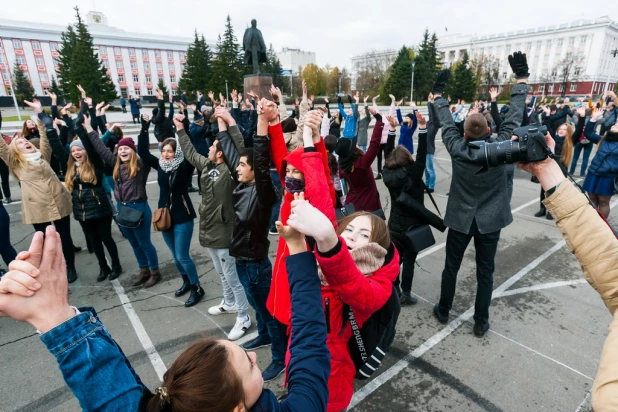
76,142
197,117
127,141
411,116
345,150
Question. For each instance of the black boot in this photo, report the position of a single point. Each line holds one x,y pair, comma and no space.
542,212
71,273
548,216
116,271
105,270
197,293
186,286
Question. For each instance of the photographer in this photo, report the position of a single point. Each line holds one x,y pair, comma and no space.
478,205
596,248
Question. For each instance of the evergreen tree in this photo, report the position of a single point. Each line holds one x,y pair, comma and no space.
427,65
228,64
273,67
79,64
56,90
197,67
462,84
161,86
22,86
400,75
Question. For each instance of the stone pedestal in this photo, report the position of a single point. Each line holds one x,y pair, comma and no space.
259,83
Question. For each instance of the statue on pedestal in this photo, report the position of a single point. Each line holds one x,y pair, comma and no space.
254,46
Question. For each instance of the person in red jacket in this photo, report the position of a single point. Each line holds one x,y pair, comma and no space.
299,170
356,169
357,267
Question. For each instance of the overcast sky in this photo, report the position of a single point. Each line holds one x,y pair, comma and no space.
335,30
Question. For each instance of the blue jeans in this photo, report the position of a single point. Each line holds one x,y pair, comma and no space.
274,177
178,240
139,238
578,149
7,251
255,277
363,148
430,172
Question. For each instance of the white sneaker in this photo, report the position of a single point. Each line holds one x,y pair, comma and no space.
222,308
239,329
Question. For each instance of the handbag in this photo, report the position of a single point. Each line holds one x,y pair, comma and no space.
342,212
421,237
127,216
162,218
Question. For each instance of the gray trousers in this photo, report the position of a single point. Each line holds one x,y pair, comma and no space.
510,171
233,291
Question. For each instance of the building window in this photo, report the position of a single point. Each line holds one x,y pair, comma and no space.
550,89
144,53
56,62
576,72
561,88
548,44
105,64
538,45
159,66
134,65
21,59
131,52
2,59
529,46
135,78
171,67
573,87
121,78
36,45
173,79
182,68
43,76
39,61
149,92
504,75
559,44
571,41
554,73
16,44
137,92
157,53
5,75
102,50
583,39
508,48
146,66
119,64
148,79
169,54
542,88
117,51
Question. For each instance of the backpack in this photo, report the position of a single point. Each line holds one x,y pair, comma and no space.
369,344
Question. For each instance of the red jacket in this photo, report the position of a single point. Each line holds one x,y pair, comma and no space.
318,185
362,189
364,295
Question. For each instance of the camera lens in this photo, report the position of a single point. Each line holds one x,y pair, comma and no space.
498,153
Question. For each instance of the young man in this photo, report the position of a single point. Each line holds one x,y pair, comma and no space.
217,216
478,204
254,199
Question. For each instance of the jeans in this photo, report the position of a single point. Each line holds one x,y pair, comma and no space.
7,251
63,227
255,277
363,148
587,148
430,172
4,176
233,290
99,232
274,177
486,246
178,240
139,238
407,258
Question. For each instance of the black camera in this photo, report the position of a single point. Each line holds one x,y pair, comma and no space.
529,147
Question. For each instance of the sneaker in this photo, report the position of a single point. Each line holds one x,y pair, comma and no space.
222,308
443,319
378,177
239,329
430,190
273,232
480,329
8,200
259,342
273,370
406,298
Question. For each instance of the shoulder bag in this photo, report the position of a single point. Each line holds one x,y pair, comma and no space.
127,216
162,218
421,237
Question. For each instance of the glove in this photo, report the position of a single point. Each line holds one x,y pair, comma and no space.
47,120
339,99
519,65
145,124
378,117
440,83
349,99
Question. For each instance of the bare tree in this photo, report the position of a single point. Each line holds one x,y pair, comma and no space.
569,70
491,70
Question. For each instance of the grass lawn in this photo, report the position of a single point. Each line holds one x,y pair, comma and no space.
24,117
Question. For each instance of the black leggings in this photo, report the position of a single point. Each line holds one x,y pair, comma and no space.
380,153
4,176
136,118
99,231
7,251
407,258
63,227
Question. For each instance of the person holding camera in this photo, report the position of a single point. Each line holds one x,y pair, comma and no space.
478,205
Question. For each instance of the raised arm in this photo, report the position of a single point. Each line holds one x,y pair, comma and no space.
268,114
191,155
143,145
421,152
59,150
106,155
374,145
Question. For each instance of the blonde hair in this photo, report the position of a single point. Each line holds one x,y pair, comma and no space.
17,160
85,169
567,147
132,164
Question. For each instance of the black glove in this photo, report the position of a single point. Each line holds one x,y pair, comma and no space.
519,65
339,99
79,121
47,120
440,83
378,116
349,99
145,124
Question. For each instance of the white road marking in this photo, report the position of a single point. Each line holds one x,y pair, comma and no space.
143,337
581,406
540,287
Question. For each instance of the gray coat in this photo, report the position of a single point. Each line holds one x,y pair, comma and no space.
362,127
478,196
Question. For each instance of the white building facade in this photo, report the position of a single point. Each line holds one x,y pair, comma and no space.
380,58
591,41
134,61
293,59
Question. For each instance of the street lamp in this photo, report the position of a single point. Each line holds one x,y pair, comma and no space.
614,53
412,84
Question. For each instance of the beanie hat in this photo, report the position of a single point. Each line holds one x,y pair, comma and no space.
345,150
76,142
127,141
410,115
197,117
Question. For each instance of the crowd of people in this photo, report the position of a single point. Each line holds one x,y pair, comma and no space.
341,264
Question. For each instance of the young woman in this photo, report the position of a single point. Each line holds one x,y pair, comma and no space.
403,176
91,208
29,130
584,144
173,172
387,141
45,200
363,124
210,376
408,126
599,182
330,143
130,175
134,103
335,120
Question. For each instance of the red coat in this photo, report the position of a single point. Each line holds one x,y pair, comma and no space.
364,295
362,189
318,185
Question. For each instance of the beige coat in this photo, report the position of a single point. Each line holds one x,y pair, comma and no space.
596,248
43,197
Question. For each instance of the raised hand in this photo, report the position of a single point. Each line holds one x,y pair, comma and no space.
391,121
178,121
211,95
35,104
239,97
234,95
440,83
519,65
430,98
82,91
365,99
493,93
59,122
304,90
88,101
581,112
400,102
52,95
253,95
294,239
375,99
326,100
267,110
248,104
422,122
170,96
309,221
391,96
597,114
356,98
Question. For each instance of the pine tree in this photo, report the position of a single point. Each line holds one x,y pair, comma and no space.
400,75
462,84
228,64
57,90
161,86
197,72
427,65
79,64
22,86
273,67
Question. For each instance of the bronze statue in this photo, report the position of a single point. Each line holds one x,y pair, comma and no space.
255,49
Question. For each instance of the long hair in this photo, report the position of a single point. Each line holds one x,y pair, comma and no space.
379,230
85,169
132,164
17,160
330,143
25,130
201,379
400,157
567,146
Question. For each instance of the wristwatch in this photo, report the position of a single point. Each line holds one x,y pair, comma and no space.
551,191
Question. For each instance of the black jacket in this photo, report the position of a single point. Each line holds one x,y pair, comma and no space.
164,128
181,207
253,204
